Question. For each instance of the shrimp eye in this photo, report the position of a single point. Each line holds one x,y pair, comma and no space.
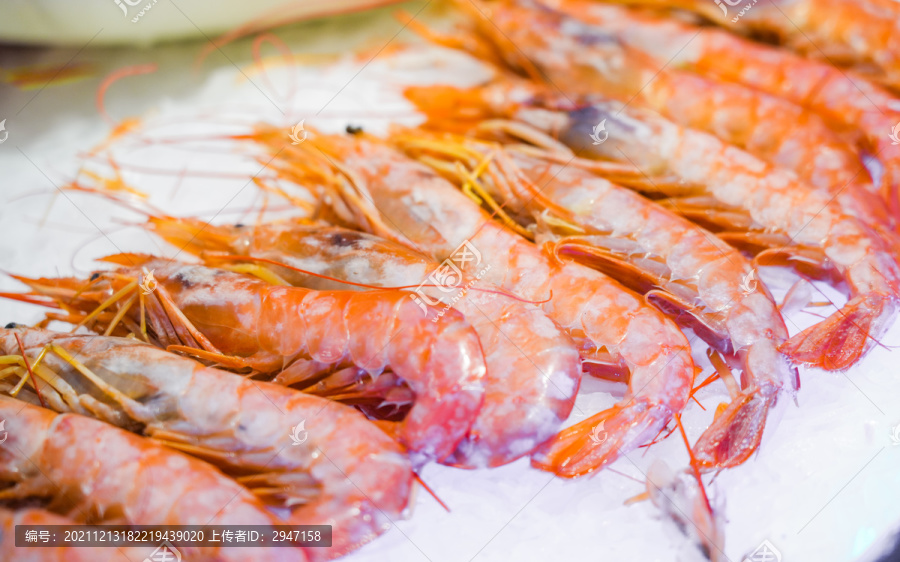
11,326
95,276
353,129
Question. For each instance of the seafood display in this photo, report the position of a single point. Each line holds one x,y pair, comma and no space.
594,214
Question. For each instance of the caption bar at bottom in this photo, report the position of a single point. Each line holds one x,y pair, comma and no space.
181,535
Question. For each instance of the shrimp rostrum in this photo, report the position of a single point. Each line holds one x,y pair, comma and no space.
299,336
345,471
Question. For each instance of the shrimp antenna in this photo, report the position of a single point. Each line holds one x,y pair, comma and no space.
30,372
693,463
430,491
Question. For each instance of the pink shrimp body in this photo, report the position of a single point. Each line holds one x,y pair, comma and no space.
861,34
299,333
87,466
527,396
774,202
681,267
615,330
346,472
744,200
848,102
566,51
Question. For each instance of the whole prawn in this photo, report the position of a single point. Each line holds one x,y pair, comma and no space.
682,268
862,35
850,103
345,472
564,51
92,472
527,396
745,201
301,336
380,190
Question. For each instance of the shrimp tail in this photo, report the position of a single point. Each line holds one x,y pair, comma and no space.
839,341
735,433
599,440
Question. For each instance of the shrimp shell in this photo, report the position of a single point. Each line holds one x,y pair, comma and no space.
84,466
360,476
681,267
527,397
277,329
382,191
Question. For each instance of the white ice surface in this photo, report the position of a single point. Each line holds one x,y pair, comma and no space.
824,485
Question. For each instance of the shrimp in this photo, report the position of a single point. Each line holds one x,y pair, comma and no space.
95,473
302,335
346,472
379,190
747,202
592,59
682,268
862,34
527,397
848,102
9,519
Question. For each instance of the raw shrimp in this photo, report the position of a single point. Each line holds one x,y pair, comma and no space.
92,472
527,396
862,34
683,269
300,334
380,190
586,59
35,516
345,472
848,102
748,203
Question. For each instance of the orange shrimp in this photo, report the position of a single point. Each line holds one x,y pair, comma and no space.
380,190
33,516
527,396
748,203
328,478
591,59
848,102
683,269
302,336
862,34
92,473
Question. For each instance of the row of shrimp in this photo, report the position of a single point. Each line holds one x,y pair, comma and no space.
614,189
